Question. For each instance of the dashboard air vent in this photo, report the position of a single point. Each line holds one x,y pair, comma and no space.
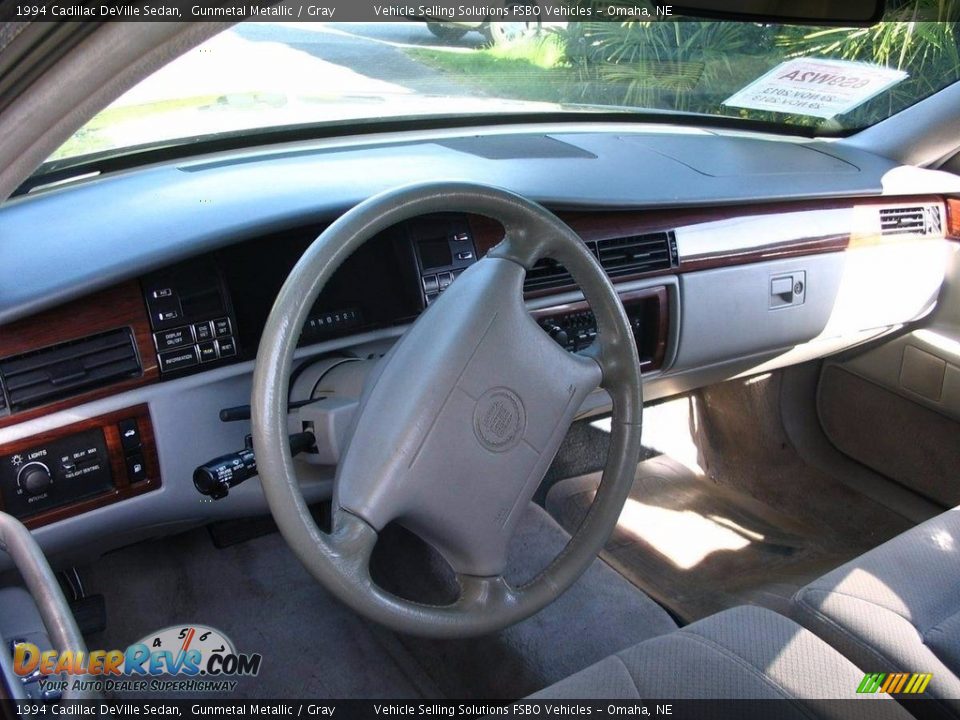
634,254
545,274
917,220
59,371
630,255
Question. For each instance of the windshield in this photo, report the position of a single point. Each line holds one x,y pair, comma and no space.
266,75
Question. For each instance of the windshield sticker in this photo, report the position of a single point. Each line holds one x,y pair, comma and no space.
819,88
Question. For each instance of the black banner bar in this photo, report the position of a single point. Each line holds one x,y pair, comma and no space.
120,709
529,11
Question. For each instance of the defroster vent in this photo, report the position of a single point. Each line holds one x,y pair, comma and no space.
60,371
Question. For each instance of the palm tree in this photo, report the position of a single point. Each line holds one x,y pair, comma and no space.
919,37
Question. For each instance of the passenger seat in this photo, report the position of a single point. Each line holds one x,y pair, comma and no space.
745,653
896,609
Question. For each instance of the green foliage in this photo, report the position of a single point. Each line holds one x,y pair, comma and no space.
682,66
694,66
920,38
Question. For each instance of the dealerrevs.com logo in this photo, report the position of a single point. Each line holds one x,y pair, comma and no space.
184,658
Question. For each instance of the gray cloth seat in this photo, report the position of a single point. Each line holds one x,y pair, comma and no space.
746,653
897,609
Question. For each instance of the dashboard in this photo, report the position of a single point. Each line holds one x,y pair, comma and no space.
114,368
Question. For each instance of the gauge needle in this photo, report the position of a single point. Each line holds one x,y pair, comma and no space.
186,641
186,645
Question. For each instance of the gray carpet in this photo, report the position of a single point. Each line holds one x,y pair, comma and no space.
583,450
744,447
775,521
261,597
699,548
602,613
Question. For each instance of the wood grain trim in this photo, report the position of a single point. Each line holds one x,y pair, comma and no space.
118,306
774,251
123,488
601,225
633,297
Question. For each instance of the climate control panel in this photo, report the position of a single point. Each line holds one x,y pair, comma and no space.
574,327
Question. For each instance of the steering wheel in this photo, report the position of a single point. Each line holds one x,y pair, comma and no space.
460,423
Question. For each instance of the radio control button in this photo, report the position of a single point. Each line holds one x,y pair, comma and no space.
208,351
221,327
178,359
227,346
129,434
202,331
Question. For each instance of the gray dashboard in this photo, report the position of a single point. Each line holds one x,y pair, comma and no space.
64,242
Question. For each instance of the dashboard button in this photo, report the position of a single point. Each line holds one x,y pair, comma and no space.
430,284
129,434
136,467
202,331
444,279
208,351
227,346
221,327
178,359
170,339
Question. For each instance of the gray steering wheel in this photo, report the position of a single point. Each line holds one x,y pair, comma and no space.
461,422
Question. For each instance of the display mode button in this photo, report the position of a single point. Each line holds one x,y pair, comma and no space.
170,339
178,359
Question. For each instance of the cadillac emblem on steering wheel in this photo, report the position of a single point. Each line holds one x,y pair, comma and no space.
499,419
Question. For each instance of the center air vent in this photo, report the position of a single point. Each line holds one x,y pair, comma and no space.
59,371
917,220
620,257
